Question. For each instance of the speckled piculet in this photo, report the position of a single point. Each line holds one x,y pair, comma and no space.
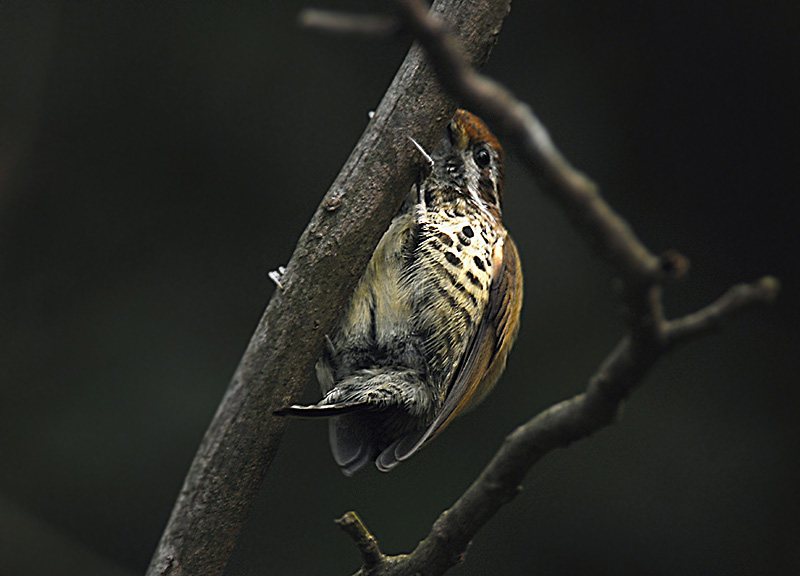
426,333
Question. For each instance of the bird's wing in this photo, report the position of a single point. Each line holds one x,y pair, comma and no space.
485,359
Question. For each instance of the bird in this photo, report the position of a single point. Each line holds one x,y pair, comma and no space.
426,333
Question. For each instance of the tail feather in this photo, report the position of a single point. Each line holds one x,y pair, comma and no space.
399,450
351,448
321,411
375,415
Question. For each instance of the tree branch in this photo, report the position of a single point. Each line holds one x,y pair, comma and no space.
641,276
353,526
331,255
356,24
737,299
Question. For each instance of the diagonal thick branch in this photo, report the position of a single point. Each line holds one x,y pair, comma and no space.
640,274
331,255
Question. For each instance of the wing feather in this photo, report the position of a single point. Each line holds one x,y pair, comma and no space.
485,358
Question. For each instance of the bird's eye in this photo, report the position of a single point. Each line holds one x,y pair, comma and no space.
482,157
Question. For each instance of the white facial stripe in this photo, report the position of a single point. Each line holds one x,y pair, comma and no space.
472,178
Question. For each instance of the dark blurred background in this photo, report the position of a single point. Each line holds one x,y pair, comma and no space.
158,158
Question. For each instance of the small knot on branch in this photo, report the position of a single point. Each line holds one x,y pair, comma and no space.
367,545
768,289
673,265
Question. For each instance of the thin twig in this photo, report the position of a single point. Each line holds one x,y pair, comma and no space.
353,526
349,24
736,300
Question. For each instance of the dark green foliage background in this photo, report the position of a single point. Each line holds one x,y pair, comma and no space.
158,158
